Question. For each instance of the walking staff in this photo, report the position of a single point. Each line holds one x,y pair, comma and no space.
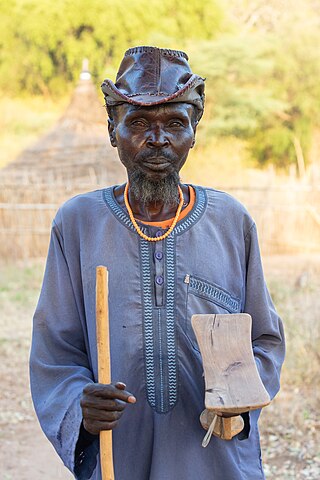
104,374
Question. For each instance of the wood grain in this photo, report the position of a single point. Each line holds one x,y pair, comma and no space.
104,372
232,381
236,424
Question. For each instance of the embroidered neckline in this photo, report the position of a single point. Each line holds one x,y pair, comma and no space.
182,226
138,229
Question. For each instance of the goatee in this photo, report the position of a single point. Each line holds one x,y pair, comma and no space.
148,191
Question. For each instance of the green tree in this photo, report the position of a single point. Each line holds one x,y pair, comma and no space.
239,97
264,89
42,44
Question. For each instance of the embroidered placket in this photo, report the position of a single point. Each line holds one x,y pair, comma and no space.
160,344
159,330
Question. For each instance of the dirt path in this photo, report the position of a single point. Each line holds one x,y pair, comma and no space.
289,427
29,456
25,453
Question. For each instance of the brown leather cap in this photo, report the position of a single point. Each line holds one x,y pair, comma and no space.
152,76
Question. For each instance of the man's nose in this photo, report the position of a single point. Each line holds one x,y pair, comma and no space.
157,138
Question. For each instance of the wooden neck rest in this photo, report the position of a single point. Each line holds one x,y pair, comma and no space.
232,381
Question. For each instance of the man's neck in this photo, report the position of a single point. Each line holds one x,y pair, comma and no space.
153,211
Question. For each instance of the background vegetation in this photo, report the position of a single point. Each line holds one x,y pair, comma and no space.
261,61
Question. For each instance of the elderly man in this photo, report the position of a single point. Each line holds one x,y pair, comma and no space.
172,250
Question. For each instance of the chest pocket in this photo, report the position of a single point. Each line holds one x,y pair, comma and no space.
206,297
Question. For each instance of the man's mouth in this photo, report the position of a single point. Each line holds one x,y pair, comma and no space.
156,164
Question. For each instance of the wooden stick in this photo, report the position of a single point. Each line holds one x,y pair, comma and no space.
226,425
104,376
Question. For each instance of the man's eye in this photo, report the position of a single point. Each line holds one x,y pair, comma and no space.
175,124
138,123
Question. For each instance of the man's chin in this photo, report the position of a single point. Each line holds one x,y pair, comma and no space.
156,176
159,186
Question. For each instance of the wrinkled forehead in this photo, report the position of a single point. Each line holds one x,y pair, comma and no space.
168,109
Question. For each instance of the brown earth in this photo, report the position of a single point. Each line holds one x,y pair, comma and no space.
289,426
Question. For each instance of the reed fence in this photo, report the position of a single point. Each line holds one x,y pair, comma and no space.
288,218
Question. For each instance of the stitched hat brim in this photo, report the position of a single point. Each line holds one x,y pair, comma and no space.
189,93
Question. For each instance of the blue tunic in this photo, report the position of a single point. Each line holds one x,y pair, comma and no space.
209,264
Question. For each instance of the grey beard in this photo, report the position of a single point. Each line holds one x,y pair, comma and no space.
147,191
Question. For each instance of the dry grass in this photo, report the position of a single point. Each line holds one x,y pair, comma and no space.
23,120
221,163
290,426
294,283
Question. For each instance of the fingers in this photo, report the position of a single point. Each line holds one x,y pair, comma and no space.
111,391
107,405
93,414
103,405
96,427
120,385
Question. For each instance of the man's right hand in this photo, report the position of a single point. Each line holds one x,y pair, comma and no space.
103,405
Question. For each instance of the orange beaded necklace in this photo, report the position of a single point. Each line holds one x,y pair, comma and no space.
136,226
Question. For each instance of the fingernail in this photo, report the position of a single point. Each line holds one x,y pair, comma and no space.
121,385
132,399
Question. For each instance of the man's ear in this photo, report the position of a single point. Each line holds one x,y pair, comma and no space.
112,132
194,134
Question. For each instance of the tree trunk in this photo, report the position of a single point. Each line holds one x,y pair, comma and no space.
300,158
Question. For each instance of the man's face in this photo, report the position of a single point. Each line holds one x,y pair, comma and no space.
153,142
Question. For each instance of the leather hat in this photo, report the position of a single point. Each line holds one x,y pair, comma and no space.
153,76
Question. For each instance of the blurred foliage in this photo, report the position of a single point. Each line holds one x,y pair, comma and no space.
264,89
261,60
238,71
42,44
